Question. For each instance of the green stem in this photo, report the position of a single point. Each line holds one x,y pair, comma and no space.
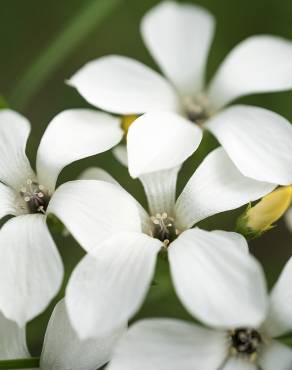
23,363
63,44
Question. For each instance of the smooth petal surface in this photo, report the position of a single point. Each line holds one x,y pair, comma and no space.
123,85
159,141
215,187
239,364
257,140
218,283
63,349
74,134
92,210
160,188
97,173
276,356
12,340
178,37
288,219
258,64
109,284
14,165
10,202
31,269
167,344
279,320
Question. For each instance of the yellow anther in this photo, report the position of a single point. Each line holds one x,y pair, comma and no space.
127,121
270,209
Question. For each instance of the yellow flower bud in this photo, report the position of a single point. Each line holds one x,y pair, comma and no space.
127,121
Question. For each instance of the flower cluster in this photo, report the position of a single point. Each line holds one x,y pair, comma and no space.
153,123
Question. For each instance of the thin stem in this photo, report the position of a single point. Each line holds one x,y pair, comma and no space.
55,53
23,363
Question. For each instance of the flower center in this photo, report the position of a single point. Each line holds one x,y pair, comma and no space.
245,342
197,109
35,196
163,228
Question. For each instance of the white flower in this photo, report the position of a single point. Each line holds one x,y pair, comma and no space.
62,349
248,344
178,36
110,283
31,269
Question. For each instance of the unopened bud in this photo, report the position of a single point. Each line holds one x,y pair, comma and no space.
127,121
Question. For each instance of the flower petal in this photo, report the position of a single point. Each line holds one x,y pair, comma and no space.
160,189
109,284
218,283
97,173
276,356
74,134
31,269
258,64
239,364
288,219
159,141
178,37
122,85
279,319
12,340
63,349
168,344
92,210
14,165
257,140
10,202
120,153
215,187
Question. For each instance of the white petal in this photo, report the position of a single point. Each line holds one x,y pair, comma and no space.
120,153
63,349
257,140
159,141
258,64
12,340
92,210
216,186
288,219
31,269
14,165
160,189
276,356
238,239
167,344
178,37
10,202
239,364
217,283
279,320
122,85
97,173
109,284
74,134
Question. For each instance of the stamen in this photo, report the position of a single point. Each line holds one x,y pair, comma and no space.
197,109
164,228
35,196
245,343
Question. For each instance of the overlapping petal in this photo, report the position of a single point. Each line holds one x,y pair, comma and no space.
167,344
122,85
109,284
257,140
31,269
217,282
10,203
74,134
276,356
178,37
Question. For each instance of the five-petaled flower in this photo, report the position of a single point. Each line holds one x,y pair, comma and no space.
241,336
31,269
110,283
178,36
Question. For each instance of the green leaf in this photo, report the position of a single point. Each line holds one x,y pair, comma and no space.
54,54
24,363
3,102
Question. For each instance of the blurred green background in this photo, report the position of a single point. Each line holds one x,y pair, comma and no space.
44,42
